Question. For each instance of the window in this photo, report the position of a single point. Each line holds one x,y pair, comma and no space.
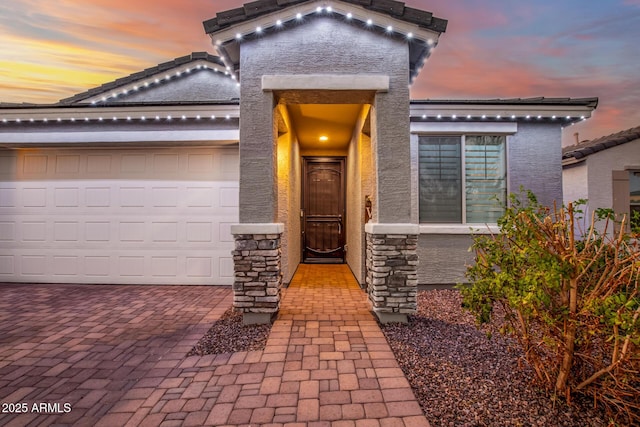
462,179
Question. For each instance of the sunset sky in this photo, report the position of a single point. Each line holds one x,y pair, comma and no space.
492,49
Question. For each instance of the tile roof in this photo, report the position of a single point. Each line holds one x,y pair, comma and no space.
583,149
254,9
142,75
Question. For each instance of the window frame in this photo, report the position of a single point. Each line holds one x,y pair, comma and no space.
455,227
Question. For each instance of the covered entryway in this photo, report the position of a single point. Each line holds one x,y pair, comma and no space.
324,171
304,54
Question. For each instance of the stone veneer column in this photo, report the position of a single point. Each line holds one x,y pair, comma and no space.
258,275
392,270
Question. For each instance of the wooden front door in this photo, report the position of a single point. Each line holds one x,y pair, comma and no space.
323,232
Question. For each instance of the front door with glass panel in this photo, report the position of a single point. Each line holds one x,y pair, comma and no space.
323,222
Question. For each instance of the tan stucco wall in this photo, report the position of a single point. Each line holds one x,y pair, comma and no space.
357,175
288,163
361,181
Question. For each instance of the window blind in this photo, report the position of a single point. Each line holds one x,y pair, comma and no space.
440,172
485,178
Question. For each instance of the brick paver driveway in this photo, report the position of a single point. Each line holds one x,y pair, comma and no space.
98,349
116,356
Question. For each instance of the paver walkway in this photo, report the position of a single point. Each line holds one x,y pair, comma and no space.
117,356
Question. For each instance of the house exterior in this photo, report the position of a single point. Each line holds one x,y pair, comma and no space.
606,172
295,142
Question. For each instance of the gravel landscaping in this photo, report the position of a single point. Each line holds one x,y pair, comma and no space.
462,377
229,335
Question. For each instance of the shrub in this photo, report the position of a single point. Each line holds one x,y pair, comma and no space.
571,299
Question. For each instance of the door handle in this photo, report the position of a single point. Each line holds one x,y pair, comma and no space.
339,227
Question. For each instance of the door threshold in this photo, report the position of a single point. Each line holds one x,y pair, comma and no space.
323,261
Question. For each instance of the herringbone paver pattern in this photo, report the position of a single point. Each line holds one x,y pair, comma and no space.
105,350
117,355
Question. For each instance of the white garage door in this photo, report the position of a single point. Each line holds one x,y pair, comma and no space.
152,216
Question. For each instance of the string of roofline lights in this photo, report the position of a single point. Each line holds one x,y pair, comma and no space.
160,80
259,30
299,17
497,117
170,118
101,119
329,10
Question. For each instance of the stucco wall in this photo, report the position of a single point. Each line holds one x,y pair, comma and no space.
354,226
199,85
323,46
415,179
574,182
391,132
443,258
294,249
360,179
535,161
289,202
600,165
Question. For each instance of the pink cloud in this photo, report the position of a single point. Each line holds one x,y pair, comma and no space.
464,17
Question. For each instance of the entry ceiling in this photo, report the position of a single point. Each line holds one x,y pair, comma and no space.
336,122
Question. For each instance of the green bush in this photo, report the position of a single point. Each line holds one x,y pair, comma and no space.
571,299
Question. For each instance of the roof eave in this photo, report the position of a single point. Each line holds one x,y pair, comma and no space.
565,112
587,148
572,161
53,114
256,9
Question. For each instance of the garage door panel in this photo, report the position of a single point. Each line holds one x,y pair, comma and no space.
199,267
8,197
34,231
226,267
7,266
101,216
66,265
8,231
34,196
35,164
97,266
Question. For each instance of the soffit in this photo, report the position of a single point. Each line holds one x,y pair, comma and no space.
334,121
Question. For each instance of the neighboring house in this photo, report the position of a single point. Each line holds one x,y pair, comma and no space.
606,172
297,140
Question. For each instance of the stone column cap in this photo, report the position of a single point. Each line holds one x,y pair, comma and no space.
389,228
258,228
